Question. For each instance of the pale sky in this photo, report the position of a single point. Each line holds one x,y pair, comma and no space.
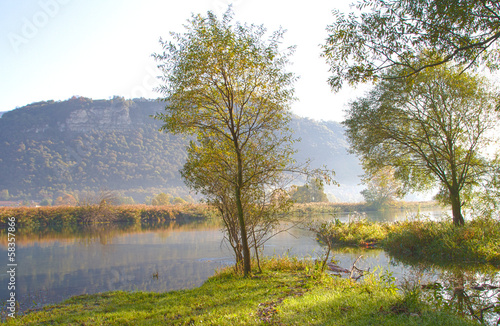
54,49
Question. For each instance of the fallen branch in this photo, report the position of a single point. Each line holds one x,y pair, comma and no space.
352,272
360,272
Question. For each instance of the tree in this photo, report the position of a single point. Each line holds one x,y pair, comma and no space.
227,86
312,192
261,207
408,34
178,200
67,199
382,187
432,129
46,202
161,199
486,201
4,194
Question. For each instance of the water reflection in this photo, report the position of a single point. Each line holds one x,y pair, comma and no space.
54,264
473,292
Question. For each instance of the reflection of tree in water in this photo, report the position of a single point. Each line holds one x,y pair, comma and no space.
471,292
46,235
104,233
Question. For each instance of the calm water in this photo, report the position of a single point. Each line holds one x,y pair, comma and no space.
54,265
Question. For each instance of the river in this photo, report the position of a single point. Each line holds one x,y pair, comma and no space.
55,264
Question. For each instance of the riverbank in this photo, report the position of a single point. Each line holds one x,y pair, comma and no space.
437,242
88,214
288,292
334,208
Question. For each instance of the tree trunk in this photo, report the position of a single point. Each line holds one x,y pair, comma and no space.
256,250
456,208
241,219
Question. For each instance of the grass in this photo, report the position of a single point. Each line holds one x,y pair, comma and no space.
288,292
478,241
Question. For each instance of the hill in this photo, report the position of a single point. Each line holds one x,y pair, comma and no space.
51,148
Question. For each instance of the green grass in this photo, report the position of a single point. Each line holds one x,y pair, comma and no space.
478,241
288,292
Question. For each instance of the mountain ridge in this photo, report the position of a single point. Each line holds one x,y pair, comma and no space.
49,148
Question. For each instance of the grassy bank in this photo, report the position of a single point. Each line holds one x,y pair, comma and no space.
288,292
26,216
478,241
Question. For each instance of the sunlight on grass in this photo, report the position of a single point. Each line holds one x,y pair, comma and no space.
288,292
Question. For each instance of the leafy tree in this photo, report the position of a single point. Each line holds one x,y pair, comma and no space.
486,201
312,192
408,34
46,202
382,187
67,199
126,200
431,130
4,194
161,199
227,85
178,200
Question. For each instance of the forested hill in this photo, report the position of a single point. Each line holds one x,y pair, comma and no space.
51,148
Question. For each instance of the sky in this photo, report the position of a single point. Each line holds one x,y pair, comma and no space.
55,49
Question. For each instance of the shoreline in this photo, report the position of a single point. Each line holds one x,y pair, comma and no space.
47,215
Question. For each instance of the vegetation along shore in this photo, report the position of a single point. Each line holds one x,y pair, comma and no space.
438,242
98,213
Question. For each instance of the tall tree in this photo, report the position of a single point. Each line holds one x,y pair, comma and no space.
382,187
312,192
211,170
408,34
432,129
227,85
161,199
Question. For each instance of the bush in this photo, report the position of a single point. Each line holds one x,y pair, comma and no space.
355,233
